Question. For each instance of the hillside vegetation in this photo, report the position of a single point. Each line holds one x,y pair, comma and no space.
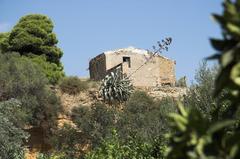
47,115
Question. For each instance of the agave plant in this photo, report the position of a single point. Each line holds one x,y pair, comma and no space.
114,88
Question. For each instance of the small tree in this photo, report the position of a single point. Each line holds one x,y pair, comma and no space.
200,93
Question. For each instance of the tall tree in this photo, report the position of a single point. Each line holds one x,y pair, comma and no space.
33,34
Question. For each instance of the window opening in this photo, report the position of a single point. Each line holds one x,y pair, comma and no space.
128,60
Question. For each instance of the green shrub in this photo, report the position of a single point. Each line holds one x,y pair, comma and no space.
93,84
22,79
72,85
69,141
95,122
134,148
50,156
12,136
141,126
144,117
4,45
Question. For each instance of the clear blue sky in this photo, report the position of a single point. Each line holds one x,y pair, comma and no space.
86,28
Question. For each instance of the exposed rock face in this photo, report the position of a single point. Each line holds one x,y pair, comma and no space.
172,92
71,101
144,69
87,98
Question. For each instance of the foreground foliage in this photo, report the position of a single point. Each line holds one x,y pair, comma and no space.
228,53
196,137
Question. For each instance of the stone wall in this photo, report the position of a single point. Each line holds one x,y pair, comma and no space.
168,92
97,67
166,71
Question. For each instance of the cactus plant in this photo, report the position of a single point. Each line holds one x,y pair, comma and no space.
115,88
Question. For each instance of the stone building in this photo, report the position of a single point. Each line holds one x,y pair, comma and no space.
131,61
